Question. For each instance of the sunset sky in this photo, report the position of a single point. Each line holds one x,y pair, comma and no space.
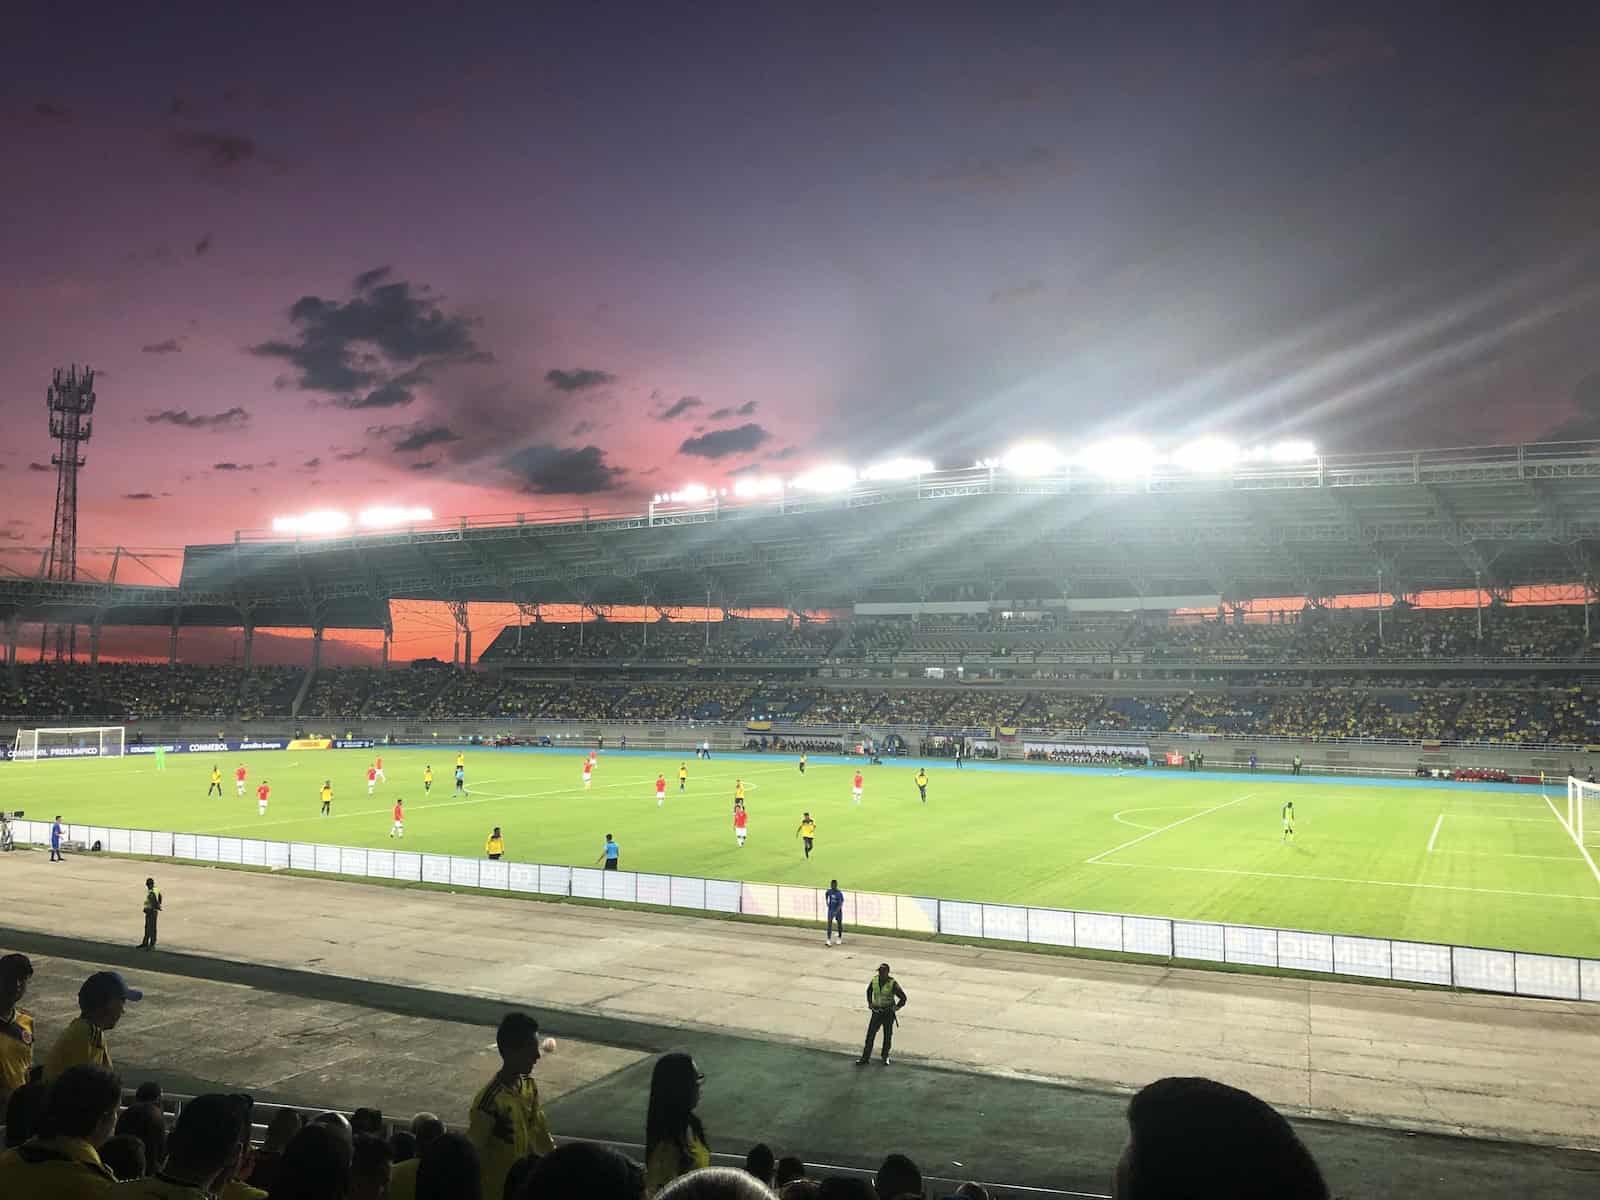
540,257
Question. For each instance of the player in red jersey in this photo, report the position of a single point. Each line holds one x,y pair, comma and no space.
588,768
740,819
262,793
238,780
372,779
399,829
378,767
661,790
857,787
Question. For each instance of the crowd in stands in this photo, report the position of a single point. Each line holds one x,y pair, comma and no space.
269,691
71,1135
735,638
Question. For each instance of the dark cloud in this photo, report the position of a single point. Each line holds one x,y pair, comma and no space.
582,427
203,246
311,464
39,466
421,437
747,409
429,465
231,418
51,111
721,414
786,453
350,455
720,443
546,470
1586,423
1032,166
579,379
169,346
138,495
216,149
1017,293
679,407
370,351
233,466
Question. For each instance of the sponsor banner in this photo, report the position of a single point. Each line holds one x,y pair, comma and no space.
207,747
60,752
311,744
758,726
353,743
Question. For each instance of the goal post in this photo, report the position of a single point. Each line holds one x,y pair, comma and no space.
87,741
1580,795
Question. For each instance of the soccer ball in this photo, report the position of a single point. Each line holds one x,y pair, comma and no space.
548,1046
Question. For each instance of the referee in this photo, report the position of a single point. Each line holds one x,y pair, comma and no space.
885,998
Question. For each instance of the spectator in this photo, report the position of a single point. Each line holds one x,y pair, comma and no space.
789,1169
368,1121
80,1112
425,1128
800,1189
149,1092
972,1191
506,1120
101,1001
715,1183
402,1146
581,1171
370,1167
338,1124
759,1162
450,1170
24,1111
674,1138
845,1187
202,1154
315,1166
144,1121
236,1188
16,1026
124,1156
285,1123
1197,1139
898,1176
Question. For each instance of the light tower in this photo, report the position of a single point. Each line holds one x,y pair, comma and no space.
70,401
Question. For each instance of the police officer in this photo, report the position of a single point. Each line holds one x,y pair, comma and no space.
152,910
885,998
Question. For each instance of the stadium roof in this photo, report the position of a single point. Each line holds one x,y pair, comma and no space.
1439,519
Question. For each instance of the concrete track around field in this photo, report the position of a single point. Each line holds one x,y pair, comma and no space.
991,1035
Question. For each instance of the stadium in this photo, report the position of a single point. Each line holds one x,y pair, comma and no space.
1129,743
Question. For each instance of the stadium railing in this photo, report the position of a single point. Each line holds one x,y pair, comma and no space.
1476,968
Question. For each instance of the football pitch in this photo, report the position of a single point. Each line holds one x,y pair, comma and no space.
1487,867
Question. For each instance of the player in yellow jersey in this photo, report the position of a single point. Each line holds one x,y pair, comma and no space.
807,832
683,777
327,798
921,780
427,780
738,791
216,782
1288,821
802,762
461,758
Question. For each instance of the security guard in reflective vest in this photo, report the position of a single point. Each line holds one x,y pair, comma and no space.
885,998
152,910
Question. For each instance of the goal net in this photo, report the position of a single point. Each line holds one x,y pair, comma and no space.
1579,796
90,741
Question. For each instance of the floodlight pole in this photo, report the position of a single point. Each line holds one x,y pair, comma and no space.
1380,606
1477,600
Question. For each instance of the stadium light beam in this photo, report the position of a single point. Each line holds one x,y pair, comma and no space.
748,487
1118,458
321,521
1032,458
832,478
898,468
385,516
1207,455
1295,450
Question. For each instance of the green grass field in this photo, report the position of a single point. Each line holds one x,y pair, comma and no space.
1446,864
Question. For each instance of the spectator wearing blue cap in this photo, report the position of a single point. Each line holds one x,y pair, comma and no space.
101,1001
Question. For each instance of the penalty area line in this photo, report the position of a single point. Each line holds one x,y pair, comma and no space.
1434,836
1571,833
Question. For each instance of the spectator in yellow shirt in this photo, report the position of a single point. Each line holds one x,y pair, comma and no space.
674,1138
101,1001
426,1128
80,1112
506,1121
16,1026
202,1154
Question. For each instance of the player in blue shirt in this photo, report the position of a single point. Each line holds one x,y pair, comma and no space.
835,899
611,855
461,780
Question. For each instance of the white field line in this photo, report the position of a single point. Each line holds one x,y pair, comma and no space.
1434,836
1492,817
1118,816
1389,883
1163,829
1508,854
1582,849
